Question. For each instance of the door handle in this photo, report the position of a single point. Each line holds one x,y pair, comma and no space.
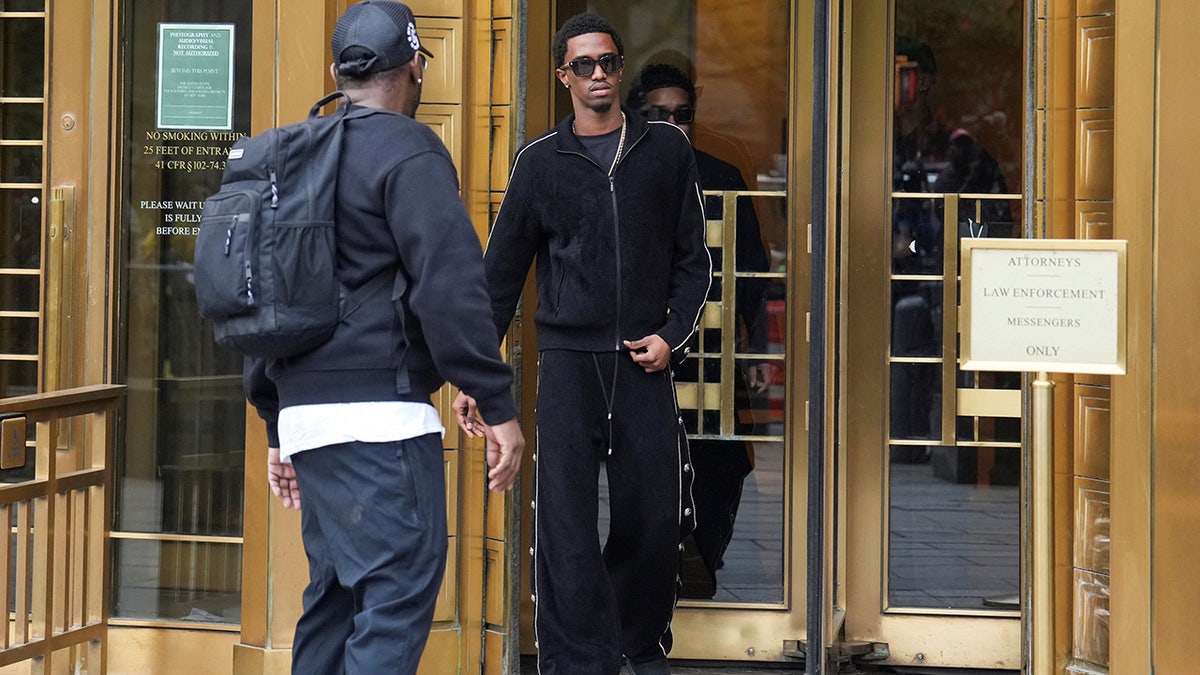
60,216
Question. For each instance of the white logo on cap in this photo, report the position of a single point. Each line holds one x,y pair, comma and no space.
412,36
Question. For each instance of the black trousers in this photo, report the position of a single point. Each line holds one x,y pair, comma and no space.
374,528
594,605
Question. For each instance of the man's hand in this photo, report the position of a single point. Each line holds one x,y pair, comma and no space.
281,476
467,415
651,353
505,443
760,376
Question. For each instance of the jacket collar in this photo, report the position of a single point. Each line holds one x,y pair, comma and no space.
567,141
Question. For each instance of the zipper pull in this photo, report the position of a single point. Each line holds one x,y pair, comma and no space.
612,184
274,188
229,235
249,282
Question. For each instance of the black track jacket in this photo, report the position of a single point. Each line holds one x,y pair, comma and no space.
618,257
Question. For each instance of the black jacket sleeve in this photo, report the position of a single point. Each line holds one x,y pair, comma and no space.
691,266
512,246
260,391
442,256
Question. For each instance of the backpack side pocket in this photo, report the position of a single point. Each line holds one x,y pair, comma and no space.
224,264
305,265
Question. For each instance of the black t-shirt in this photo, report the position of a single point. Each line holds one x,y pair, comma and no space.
602,147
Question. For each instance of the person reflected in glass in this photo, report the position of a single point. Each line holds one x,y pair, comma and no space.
929,156
663,92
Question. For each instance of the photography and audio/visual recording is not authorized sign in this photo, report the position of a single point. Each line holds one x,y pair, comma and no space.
195,76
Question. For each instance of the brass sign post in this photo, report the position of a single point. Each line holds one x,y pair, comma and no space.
1043,305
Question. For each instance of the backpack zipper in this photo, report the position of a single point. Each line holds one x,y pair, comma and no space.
274,187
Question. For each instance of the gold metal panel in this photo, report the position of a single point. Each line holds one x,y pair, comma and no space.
1094,68
989,402
1062,144
1092,541
450,472
497,513
1091,618
446,121
500,76
1134,218
695,396
1039,101
711,317
443,81
249,660
1093,441
441,652
12,442
425,9
154,650
1175,424
1094,159
495,564
493,649
446,608
1093,220
500,147
1061,50
1091,7
714,232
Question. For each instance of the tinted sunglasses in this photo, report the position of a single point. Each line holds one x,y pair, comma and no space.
584,66
684,115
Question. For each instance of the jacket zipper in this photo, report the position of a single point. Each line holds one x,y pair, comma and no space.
612,191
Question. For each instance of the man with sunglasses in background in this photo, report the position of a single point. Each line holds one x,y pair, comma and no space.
609,204
664,92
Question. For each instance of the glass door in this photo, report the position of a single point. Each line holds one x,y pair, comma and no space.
934,483
177,530
742,388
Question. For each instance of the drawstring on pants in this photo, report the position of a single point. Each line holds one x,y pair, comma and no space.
609,396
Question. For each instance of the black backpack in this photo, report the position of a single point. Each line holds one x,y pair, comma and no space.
266,256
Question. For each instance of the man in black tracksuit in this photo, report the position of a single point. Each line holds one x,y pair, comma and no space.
610,206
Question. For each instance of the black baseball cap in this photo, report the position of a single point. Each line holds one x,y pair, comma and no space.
375,35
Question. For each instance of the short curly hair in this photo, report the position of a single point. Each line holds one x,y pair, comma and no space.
658,76
582,24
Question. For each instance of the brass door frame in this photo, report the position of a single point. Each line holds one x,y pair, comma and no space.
971,639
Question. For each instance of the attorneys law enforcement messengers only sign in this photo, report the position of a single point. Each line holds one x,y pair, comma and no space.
1053,305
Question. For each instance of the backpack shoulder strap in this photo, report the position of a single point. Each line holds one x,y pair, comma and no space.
355,300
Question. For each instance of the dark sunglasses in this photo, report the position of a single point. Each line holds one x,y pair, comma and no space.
684,115
584,66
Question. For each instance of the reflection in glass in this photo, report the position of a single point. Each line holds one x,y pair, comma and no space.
21,164
953,524
21,121
177,580
22,71
953,509
22,55
180,459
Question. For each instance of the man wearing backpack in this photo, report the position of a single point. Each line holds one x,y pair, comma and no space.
353,415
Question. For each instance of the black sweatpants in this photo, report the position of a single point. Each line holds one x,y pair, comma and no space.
374,528
591,605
